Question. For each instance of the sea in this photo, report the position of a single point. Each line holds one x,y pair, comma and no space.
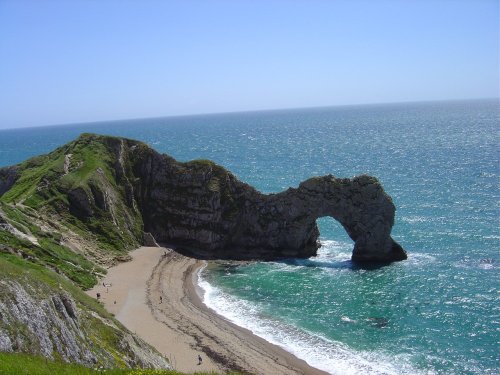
437,312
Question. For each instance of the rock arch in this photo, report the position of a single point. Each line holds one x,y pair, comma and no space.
286,222
203,209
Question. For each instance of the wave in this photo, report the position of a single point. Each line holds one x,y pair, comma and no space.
331,255
318,351
416,219
415,259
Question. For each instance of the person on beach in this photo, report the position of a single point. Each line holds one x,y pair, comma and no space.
161,299
199,360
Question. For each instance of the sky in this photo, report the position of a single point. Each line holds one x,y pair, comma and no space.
82,61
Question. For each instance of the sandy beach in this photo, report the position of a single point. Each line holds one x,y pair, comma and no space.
155,295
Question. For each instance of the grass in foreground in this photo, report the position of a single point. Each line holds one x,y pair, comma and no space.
23,364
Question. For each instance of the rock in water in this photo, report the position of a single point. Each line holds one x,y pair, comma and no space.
202,208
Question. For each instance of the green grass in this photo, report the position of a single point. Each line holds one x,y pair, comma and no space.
18,218
42,178
74,266
51,254
22,364
25,364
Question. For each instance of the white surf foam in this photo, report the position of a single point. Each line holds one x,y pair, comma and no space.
419,259
334,250
333,357
415,219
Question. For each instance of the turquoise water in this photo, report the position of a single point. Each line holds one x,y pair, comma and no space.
438,312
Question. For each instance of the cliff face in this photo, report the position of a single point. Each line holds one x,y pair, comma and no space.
43,314
202,208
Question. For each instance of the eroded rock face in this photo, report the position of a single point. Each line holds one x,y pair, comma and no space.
202,208
52,325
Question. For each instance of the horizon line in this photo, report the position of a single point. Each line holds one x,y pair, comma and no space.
253,111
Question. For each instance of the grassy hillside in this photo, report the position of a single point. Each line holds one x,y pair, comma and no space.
20,364
46,250
79,189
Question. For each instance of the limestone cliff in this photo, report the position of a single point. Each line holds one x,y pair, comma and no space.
116,188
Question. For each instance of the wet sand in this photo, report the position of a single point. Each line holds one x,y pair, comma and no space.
179,325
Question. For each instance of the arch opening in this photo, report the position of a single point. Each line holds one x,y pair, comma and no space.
334,240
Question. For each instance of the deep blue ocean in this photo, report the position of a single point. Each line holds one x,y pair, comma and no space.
436,313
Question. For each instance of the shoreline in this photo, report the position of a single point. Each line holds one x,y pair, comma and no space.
293,362
157,296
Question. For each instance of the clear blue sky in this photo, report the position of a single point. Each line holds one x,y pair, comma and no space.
77,61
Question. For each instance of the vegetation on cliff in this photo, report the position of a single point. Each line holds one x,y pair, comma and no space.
79,188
